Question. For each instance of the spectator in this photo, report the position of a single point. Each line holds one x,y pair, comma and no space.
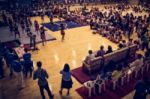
26,55
16,31
36,26
98,81
101,52
138,62
18,71
117,73
130,42
10,58
147,85
42,77
89,57
34,43
22,24
42,16
66,79
120,46
147,57
109,49
1,67
124,43
31,38
4,17
91,24
62,31
42,34
28,30
145,42
28,67
140,90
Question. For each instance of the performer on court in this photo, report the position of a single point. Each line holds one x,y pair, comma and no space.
42,34
36,26
51,16
42,16
62,31
34,43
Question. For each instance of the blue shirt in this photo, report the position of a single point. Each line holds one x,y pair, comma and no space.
28,64
11,57
27,56
16,65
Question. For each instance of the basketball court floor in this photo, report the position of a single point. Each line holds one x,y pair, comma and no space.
54,55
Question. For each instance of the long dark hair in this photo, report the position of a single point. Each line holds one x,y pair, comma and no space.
66,68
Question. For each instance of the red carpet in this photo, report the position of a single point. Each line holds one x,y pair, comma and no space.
119,93
80,75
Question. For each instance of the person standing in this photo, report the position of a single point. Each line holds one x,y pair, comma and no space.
42,34
62,31
22,24
18,71
4,17
30,35
34,43
91,24
36,26
10,24
66,79
42,16
16,31
26,55
29,21
140,92
42,77
10,56
28,30
145,42
28,67
1,67
51,16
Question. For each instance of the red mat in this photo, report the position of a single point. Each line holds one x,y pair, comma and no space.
80,75
119,93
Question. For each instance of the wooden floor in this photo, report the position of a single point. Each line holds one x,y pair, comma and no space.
54,55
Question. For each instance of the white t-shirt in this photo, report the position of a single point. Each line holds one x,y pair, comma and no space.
89,57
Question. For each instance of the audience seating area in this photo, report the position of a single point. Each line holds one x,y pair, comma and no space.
116,88
98,63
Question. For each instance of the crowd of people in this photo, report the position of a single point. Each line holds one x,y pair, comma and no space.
102,51
21,67
113,71
17,67
111,24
